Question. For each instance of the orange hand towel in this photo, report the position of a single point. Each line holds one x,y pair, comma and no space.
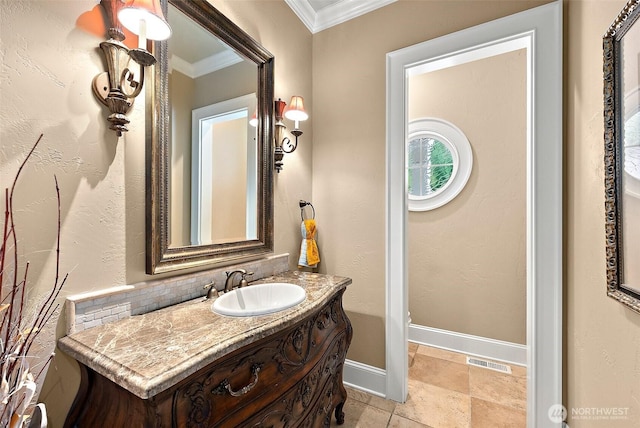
309,255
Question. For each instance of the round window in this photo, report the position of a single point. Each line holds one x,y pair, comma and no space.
439,161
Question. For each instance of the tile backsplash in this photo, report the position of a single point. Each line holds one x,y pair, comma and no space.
101,307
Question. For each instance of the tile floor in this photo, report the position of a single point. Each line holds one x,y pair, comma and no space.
445,392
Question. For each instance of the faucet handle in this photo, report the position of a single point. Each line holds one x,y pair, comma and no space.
243,281
211,290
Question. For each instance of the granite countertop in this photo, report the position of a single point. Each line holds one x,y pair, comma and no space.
147,354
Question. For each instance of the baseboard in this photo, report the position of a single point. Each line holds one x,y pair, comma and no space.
483,347
373,379
364,377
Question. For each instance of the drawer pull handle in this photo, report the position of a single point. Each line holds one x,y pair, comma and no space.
225,386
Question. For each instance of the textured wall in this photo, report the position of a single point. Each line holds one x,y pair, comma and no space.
50,54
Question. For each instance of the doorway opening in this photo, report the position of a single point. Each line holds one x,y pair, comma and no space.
539,31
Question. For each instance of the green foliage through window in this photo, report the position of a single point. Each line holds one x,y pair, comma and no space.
430,165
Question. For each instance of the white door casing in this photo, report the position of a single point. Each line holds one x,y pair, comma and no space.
540,31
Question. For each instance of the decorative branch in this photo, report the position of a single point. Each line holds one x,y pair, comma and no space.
17,335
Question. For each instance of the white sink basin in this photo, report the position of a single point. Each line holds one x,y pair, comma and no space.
259,299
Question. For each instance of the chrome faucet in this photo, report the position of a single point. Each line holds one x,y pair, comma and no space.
228,284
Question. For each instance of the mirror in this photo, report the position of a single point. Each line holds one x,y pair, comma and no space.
622,155
208,167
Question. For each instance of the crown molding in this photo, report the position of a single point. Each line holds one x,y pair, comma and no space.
334,14
205,66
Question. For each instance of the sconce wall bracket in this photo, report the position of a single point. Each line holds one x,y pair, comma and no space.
278,155
118,87
287,145
108,87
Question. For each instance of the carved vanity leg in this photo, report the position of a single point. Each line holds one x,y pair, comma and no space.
342,394
340,413
342,390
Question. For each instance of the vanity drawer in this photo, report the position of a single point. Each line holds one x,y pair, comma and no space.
248,380
311,401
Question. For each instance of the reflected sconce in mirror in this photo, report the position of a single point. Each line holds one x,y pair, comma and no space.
254,119
118,86
297,114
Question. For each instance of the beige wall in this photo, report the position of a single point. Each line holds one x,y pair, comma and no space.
467,262
602,337
44,87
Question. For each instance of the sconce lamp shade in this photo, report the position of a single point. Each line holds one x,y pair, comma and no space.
296,111
254,119
145,13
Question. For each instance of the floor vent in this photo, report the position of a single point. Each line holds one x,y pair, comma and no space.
503,368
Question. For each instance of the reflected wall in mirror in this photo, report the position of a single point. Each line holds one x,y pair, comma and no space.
209,193
622,155
223,176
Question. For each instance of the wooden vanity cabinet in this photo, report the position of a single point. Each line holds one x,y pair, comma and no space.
292,378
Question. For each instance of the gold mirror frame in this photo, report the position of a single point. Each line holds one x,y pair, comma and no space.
160,257
614,162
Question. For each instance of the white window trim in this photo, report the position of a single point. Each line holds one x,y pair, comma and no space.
458,143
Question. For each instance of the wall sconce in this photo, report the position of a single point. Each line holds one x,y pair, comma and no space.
296,113
117,87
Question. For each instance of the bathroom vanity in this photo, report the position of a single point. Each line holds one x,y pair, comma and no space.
185,366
